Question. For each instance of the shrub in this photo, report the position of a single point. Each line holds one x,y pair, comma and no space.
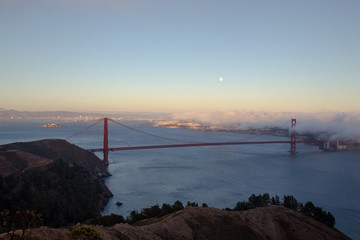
84,233
25,220
242,206
134,217
154,211
192,204
107,221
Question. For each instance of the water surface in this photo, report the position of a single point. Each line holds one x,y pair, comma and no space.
218,175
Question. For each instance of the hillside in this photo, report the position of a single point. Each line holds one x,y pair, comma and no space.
191,223
15,161
54,178
51,149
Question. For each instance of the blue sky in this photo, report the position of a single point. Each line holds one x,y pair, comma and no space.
168,56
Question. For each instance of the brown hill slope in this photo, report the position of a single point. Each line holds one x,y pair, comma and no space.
54,149
15,161
192,223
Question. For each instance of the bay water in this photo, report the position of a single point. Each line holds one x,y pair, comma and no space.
219,176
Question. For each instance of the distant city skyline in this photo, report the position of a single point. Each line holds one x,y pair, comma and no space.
180,56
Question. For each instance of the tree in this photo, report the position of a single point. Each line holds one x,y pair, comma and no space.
178,206
309,209
275,200
290,202
259,201
330,220
107,221
192,204
153,211
165,209
134,217
241,206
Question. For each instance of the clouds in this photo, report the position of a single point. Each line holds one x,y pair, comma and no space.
233,117
336,124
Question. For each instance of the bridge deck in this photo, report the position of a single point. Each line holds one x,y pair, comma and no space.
193,145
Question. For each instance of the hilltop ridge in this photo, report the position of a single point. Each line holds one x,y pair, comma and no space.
195,223
28,154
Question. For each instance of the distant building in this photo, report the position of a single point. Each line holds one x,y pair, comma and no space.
334,146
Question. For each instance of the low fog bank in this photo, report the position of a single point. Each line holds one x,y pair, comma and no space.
336,125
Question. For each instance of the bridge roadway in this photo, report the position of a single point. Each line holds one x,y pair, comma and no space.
193,145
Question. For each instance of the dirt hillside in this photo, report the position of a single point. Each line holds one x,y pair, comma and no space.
192,223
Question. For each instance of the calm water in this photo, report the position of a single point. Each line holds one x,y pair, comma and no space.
219,176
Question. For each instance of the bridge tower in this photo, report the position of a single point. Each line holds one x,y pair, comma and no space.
293,136
106,142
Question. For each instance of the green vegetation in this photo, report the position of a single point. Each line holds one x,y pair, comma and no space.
288,201
254,201
319,214
108,221
61,193
154,211
64,193
21,220
84,233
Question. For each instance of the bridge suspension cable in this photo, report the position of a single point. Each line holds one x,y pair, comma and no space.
181,143
85,129
149,134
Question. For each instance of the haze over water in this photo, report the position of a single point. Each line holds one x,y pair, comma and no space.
219,176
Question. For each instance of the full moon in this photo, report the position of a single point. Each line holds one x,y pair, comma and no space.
221,79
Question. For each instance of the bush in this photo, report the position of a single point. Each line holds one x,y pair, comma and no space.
107,221
84,233
242,206
154,211
192,204
25,220
134,217
253,202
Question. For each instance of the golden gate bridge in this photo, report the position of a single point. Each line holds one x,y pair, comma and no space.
180,144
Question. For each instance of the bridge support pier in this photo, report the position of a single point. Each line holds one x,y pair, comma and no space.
106,142
293,136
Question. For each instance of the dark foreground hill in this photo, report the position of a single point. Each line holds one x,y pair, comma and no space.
51,149
270,223
54,178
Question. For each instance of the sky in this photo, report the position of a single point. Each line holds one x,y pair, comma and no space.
180,56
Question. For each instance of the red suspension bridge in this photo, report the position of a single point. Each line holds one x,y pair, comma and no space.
105,149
